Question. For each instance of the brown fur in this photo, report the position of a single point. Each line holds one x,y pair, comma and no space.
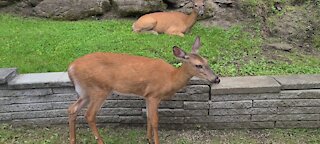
172,23
97,75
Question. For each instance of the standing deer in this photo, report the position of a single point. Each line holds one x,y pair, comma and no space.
97,75
172,23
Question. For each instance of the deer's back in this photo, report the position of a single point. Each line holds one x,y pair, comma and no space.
120,72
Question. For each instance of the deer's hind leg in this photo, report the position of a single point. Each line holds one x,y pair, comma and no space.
97,98
145,25
175,31
73,112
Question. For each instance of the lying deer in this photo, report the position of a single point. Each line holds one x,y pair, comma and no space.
172,23
95,76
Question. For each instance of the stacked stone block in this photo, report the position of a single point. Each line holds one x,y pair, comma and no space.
237,102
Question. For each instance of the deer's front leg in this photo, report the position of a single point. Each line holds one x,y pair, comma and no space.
153,120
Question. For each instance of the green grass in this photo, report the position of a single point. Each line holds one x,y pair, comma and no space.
39,45
60,135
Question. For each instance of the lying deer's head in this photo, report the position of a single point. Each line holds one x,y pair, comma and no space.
196,65
198,5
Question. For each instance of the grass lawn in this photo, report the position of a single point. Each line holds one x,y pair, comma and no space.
38,45
59,135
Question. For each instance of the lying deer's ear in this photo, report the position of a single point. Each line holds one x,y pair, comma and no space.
179,53
196,45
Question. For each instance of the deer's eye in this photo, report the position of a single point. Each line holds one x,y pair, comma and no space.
199,66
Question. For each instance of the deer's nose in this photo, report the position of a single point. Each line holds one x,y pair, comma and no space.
216,80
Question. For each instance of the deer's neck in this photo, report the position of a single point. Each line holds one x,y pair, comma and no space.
180,77
192,18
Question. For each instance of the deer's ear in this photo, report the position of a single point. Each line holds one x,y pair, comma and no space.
179,53
196,45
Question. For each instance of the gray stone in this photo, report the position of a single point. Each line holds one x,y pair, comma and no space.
247,85
25,92
3,86
171,104
196,105
280,46
61,105
71,10
198,81
132,7
229,111
231,104
114,96
40,121
132,119
99,118
264,117
300,94
293,117
191,97
33,3
124,104
243,111
7,74
298,110
178,112
232,118
63,120
297,124
286,117
200,119
263,110
120,111
43,99
40,114
236,97
64,90
287,103
5,108
5,101
25,107
224,1
250,125
40,80
210,119
5,117
210,10
195,89
171,120
4,3
267,103
295,82
178,3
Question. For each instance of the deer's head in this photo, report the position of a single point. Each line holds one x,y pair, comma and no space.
196,65
198,5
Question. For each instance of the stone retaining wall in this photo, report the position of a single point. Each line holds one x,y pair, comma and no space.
237,102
